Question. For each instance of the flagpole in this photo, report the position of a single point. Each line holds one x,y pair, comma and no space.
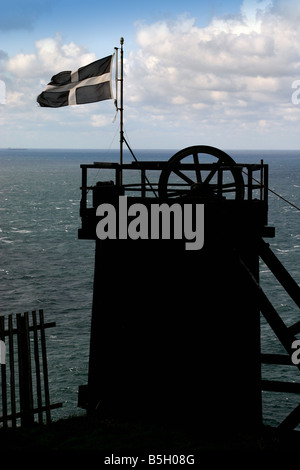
121,111
116,78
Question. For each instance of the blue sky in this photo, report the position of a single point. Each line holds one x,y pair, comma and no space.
96,24
196,72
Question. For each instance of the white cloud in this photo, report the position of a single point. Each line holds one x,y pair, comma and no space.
226,80
23,65
14,98
51,56
240,68
100,120
54,56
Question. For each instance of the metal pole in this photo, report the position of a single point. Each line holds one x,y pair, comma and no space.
117,76
121,111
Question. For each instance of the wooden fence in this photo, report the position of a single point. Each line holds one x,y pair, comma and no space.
24,370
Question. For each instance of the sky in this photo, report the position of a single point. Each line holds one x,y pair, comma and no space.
220,73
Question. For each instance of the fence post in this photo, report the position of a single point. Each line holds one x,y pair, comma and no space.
31,360
12,371
45,366
3,375
26,396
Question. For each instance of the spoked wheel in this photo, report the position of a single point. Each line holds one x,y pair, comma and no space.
194,172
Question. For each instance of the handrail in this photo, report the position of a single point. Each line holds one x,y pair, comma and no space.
143,184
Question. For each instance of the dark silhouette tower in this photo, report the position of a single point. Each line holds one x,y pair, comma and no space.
175,333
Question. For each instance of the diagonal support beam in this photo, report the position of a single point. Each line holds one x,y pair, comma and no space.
279,271
282,332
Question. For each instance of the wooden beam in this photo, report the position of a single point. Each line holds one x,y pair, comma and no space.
279,386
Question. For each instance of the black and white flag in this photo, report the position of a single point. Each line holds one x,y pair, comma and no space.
86,85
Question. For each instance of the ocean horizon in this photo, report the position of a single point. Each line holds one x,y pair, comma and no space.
43,264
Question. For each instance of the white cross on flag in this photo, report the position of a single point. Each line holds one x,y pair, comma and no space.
86,85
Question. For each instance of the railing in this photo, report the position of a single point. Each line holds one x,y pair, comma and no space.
141,179
244,183
24,376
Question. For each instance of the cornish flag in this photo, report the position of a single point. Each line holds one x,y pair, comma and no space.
86,85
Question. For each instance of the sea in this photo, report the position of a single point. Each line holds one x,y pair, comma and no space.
43,264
